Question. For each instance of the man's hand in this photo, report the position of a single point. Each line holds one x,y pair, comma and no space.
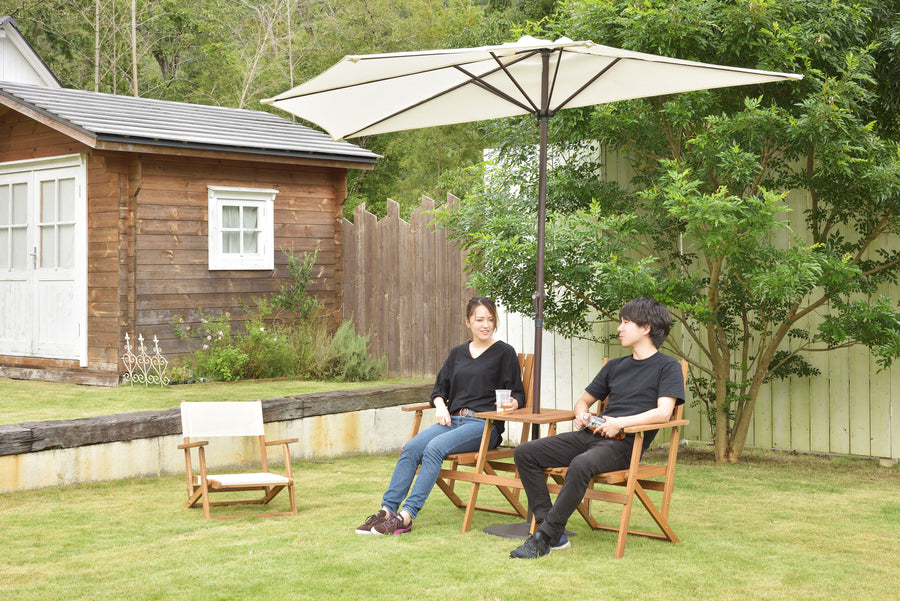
612,428
581,420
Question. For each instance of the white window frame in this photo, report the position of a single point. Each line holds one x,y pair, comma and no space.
264,199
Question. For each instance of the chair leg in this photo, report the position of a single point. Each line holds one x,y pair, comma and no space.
293,498
196,495
661,520
670,474
479,469
448,490
511,496
204,485
629,494
470,508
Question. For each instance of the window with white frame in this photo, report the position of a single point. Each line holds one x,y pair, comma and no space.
241,228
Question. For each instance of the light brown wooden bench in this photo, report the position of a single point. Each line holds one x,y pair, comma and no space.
636,480
461,466
231,419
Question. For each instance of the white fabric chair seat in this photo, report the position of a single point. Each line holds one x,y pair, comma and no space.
255,479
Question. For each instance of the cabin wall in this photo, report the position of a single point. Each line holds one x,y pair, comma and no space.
147,242
172,280
22,138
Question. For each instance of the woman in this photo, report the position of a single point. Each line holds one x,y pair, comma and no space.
464,386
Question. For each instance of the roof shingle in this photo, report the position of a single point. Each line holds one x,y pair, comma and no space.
136,120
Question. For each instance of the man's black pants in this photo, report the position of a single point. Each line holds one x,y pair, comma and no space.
584,453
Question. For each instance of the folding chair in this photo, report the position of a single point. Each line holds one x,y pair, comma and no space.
635,480
231,419
498,459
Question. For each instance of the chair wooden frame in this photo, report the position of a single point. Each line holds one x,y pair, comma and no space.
636,480
231,419
497,459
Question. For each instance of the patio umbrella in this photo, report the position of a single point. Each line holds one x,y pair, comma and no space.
379,93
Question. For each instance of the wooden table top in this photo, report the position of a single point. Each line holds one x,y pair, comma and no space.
527,416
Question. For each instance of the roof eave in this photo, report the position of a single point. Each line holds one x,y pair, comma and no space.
158,146
47,118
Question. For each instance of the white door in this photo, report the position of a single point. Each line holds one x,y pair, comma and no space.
43,260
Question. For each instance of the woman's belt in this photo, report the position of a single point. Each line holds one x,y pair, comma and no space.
464,412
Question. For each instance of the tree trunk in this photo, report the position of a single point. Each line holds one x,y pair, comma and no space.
134,69
96,45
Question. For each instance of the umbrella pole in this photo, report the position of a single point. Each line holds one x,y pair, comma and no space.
539,295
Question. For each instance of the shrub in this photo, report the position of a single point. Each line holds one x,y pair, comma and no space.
226,363
348,357
272,351
284,335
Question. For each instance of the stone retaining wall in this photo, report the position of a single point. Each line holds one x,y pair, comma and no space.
144,444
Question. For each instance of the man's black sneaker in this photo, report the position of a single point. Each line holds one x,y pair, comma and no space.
562,543
534,546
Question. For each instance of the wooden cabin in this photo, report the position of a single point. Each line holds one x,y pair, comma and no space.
119,214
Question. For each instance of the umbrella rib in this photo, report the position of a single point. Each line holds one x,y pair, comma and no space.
474,80
417,104
555,75
357,84
587,84
478,81
515,82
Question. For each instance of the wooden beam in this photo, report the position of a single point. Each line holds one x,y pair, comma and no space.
175,149
39,436
76,134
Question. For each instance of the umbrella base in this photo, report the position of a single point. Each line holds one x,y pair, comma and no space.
518,530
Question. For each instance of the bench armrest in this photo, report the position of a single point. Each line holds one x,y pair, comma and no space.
270,443
417,407
191,445
660,426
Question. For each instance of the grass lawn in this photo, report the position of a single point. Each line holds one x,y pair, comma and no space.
31,401
776,526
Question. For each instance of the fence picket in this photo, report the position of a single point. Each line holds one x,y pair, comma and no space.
405,288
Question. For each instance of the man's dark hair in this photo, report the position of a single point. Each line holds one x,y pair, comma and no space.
645,311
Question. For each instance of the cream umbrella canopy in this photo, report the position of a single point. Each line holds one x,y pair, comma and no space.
380,93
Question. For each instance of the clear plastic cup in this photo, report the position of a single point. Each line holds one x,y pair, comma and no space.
503,401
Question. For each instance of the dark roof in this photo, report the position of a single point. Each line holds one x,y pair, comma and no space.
131,120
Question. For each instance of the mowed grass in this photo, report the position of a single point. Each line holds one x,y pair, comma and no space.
775,526
31,401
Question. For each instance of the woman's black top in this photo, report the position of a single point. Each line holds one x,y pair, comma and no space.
466,382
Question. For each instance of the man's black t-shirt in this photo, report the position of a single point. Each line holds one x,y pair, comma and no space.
635,386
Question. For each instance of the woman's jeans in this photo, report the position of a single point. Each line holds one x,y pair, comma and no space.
428,449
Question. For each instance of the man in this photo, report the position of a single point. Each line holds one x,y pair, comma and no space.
643,388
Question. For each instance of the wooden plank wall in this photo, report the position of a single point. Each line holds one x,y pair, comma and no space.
171,278
404,286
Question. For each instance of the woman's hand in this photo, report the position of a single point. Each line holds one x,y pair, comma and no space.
441,413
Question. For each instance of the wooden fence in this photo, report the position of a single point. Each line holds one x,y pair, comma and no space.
404,286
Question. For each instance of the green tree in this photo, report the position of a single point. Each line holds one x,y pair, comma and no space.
704,225
412,161
235,52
